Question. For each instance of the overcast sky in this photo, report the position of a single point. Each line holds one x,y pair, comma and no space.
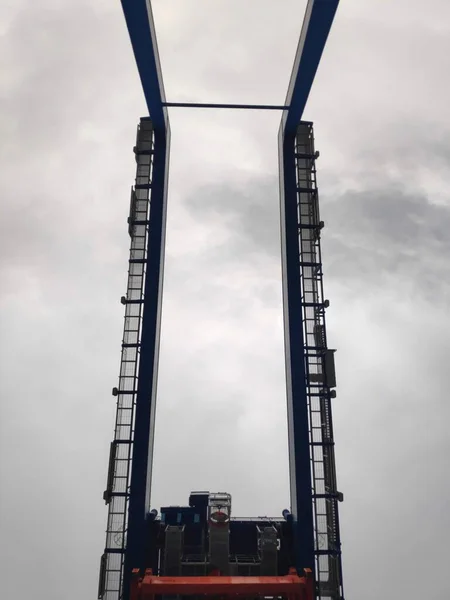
70,101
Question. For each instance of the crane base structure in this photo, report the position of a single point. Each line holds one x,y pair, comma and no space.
200,550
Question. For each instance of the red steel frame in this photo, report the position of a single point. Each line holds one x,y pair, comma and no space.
291,587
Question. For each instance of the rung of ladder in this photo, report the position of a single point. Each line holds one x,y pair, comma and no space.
329,552
329,496
143,152
125,300
320,443
144,222
307,156
309,264
318,225
306,190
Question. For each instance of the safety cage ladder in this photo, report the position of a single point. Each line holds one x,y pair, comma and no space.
117,490
320,373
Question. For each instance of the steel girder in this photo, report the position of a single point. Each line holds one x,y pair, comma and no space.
316,26
139,19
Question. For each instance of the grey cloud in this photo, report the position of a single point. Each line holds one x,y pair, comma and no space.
240,45
70,101
372,236
251,215
386,234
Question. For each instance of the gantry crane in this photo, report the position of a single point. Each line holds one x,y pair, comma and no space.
199,549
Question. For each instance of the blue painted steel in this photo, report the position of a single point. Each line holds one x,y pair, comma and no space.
318,20
141,27
317,23
141,474
316,26
139,19
297,408
237,106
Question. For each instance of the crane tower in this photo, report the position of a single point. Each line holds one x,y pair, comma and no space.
200,550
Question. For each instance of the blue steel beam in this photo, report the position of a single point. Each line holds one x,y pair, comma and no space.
297,407
141,27
139,19
145,411
317,23
316,26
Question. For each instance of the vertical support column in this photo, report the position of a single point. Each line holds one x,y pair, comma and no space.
144,426
297,408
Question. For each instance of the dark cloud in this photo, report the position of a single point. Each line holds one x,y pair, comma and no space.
250,214
389,238
374,237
